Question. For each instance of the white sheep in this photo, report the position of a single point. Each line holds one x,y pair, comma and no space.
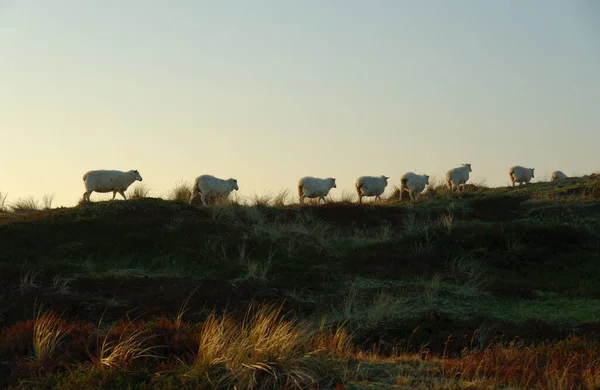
558,175
457,177
103,180
414,184
313,187
209,185
519,174
371,186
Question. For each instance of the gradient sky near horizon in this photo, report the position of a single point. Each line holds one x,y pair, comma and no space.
267,91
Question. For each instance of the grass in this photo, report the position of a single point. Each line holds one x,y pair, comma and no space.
3,202
49,331
25,205
138,192
47,200
383,294
263,351
571,363
121,345
266,348
181,192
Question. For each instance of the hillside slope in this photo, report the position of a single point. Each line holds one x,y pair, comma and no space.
512,261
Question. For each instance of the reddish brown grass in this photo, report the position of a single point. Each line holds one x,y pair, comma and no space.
568,364
265,339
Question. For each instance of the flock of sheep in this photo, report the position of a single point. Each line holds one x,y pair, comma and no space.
209,186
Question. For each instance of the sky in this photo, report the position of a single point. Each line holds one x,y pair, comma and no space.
268,91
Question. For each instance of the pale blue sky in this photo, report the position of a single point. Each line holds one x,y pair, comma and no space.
267,91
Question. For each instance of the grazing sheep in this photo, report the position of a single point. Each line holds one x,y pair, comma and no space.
209,185
109,181
371,186
558,175
313,187
519,174
414,184
457,177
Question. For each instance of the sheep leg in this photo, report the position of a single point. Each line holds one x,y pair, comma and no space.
203,198
321,197
114,194
122,194
86,196
360,198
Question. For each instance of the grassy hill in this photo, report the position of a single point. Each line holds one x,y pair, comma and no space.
389,294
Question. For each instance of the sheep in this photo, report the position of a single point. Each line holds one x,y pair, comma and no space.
103,180
457,177
414,184
371,186
313,187
558,175
519,174
209,185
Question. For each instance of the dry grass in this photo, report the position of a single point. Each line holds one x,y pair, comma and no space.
49,330
138,192
348,196
62,285
256,270
568,364
181,192
265,350
3,201
122,345
28,282
282,199
47,200
260,200
25,205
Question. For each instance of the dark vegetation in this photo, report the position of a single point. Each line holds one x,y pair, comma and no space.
392,293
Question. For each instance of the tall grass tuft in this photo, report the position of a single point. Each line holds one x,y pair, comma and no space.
138,192
348,197
49,330
181,192
335,342
265,350
28,282
25,205
281,199
260,200
3,202
47,200
122,345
